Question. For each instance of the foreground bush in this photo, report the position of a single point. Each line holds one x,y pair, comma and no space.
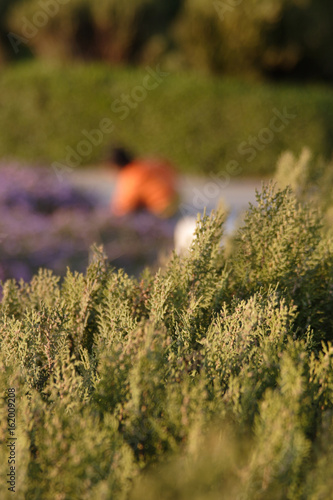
311,179
211,378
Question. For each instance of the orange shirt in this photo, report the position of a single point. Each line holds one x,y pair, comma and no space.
149,184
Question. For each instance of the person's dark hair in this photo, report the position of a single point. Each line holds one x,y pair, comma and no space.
120,157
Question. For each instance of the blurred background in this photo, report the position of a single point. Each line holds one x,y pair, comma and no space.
219,88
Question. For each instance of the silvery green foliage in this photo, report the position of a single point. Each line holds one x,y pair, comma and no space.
212,377
282,244
310,178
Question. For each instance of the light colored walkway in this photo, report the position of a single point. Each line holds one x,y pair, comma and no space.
196,192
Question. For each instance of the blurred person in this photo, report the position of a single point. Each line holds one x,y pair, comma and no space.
143,184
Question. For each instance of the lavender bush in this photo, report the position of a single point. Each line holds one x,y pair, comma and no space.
45,223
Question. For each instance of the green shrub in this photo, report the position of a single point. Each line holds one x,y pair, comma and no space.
290,253
213,376
36,124
311,179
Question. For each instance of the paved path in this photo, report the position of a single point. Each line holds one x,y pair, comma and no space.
196,192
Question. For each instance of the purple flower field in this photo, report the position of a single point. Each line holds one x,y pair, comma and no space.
45,223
